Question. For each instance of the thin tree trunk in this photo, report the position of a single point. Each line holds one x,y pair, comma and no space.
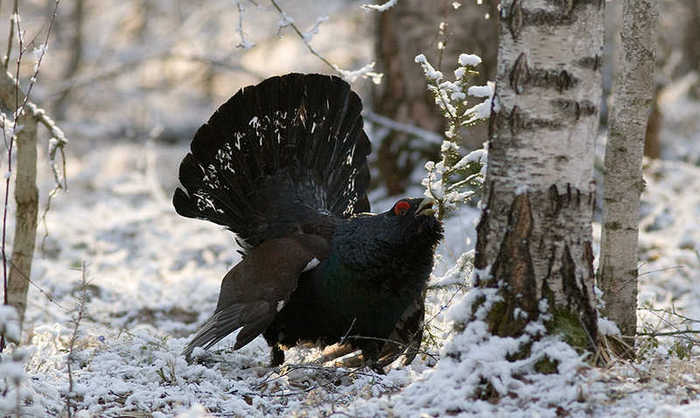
691,44
76,57
534,236
633,90
27,198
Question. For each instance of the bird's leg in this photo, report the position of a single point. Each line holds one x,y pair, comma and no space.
370,353
276,356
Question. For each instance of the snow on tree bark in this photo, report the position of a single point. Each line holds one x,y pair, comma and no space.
27,198
633,90
534,236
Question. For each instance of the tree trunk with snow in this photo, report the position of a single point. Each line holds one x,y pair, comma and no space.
26,197
534,236
409,28
633,90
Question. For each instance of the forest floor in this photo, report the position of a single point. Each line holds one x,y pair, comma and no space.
151,277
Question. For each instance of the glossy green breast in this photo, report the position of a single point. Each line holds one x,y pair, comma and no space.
359,300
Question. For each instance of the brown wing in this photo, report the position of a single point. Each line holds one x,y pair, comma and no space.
256,289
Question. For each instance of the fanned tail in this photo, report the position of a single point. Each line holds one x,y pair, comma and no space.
277,154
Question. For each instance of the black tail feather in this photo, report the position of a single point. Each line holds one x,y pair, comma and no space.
278,153
253,317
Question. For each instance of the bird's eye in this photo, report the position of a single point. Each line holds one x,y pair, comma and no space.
401,207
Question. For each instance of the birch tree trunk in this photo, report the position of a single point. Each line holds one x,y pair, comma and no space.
534,236
27,198
633,90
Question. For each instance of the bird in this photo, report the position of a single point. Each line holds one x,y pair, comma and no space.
283,165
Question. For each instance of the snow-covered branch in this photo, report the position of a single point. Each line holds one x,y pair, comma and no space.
380,7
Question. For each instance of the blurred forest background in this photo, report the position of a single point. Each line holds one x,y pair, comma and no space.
140,71
120,73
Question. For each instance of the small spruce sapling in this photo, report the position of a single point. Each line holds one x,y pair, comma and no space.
457,178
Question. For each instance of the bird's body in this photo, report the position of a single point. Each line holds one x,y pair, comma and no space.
283,164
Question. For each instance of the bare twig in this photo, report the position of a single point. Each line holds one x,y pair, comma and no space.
74,338
245,44
395,342
302,37
358,371
661,334
672,312
679,267
41,290
428,136
380,7
342,340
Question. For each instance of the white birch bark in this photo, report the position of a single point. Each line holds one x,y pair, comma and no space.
27,198
534,237
633,89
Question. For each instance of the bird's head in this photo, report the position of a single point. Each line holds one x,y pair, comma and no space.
405,235
413,221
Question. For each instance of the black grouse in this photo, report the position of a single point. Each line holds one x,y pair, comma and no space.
283,164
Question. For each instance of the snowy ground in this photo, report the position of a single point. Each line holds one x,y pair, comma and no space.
153,276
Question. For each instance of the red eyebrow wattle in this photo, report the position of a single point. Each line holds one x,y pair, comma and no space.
401,206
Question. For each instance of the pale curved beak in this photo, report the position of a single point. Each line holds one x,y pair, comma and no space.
425,208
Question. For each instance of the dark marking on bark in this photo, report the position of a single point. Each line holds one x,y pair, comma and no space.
578,198
515,121
560,80
588,258
590,63
562,17
577,296
492,122
515,22
573,109
520,74
567,273
568,6
513,266
564,81
554,200
588,108
613,226
494,114
541,17
518,121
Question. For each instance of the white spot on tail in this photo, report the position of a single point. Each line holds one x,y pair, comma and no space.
312,264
